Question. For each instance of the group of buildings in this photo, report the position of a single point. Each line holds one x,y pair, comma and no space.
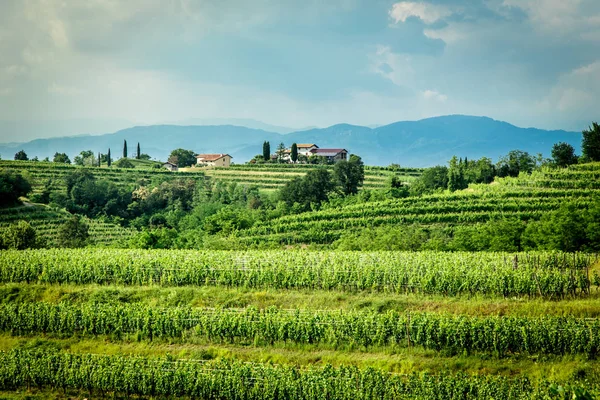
304,149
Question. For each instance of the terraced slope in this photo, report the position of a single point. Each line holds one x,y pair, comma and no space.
46,221
273,176
44,174
527,197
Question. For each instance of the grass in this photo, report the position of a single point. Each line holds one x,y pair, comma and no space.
210,296
394,360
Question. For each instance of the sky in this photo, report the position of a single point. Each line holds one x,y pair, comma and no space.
93,66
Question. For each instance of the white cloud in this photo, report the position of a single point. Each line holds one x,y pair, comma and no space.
426,12
559,16
434,95
64,90
450,34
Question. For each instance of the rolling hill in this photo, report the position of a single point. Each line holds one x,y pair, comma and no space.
409,143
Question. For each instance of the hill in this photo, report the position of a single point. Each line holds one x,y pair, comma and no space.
412,143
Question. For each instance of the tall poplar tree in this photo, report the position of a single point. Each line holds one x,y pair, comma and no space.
137,156
108,158
124,148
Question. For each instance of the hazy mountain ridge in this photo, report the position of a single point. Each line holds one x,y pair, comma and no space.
410,143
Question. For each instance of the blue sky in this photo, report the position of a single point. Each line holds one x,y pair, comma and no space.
110,63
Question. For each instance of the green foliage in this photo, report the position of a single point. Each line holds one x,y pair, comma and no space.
108,159
138,153
73,233
182,158
124,163
228,220
563,154
21,156
456,175
349,175
19,236
431,180
311,189
86,157
61,158
124,148
515,162
12,186
165,377
266,151
590,144
294,152
549,274
569,229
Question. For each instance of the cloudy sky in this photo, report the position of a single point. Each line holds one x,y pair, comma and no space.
296,63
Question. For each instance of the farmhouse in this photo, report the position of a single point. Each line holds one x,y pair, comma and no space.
330,154
213,160
170,166
305,148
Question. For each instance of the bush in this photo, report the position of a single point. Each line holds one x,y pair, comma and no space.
19,236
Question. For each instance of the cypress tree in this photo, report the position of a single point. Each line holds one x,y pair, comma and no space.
266,151
138,151
124,148
108,158
294,152
99,159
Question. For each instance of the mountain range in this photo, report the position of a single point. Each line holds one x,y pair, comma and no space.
422,143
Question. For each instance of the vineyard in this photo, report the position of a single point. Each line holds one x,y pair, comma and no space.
526,198
138,298
297,324
274,176
47,220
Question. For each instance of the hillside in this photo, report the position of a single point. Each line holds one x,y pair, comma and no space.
408,143
526,198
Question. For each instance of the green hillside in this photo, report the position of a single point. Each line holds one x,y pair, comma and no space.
525,198
274,176
46,221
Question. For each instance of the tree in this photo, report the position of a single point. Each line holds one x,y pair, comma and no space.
61,158
144,156
182,158
514,162
280,152
349,175
313,188
108,159
432,179
563,154
21,156
12,186
124,148
73,233
19,236
294,152
267,151
590,144
137,154
124,163
99,160
86,157
456,175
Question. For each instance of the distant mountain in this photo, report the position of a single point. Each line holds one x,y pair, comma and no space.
409,143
